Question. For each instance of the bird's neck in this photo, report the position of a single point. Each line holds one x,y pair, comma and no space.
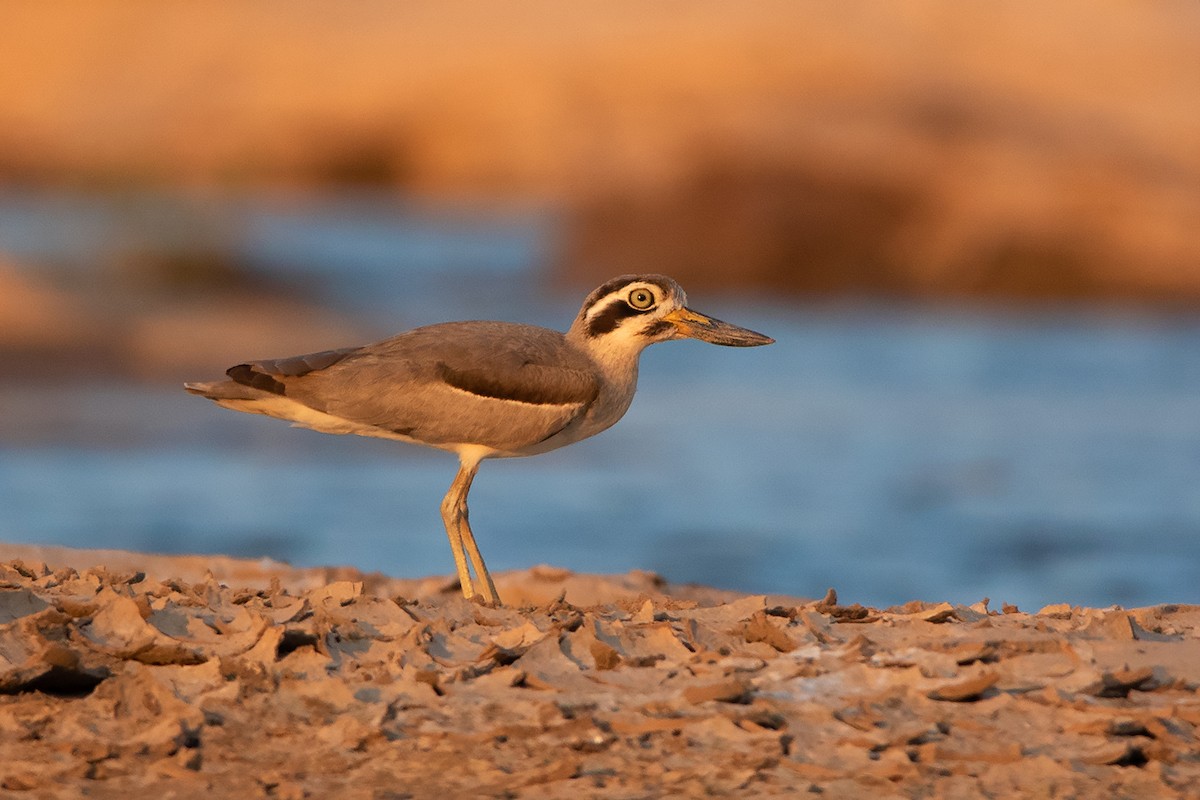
615,355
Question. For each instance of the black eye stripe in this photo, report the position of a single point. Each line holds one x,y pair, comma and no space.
612,287
610,316
607,306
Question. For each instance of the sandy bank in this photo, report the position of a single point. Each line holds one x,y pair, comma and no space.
252,679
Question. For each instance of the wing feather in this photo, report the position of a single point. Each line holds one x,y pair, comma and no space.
497,384
535,384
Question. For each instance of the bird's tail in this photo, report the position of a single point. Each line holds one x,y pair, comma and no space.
240,397
224,390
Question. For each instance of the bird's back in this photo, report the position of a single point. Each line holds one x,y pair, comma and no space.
500,386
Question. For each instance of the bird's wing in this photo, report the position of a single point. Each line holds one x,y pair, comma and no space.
500,385
529,382
270,375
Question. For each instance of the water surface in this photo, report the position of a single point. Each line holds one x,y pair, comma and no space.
892,451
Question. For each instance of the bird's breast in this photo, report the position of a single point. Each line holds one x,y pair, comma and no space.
611,403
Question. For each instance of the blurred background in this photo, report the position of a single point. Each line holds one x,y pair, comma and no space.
974,230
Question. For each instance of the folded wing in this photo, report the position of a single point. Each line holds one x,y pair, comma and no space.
499,385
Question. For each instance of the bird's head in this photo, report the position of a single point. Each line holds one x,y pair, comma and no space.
632,311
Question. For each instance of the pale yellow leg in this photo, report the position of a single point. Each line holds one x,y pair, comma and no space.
453,505
462,540
481,571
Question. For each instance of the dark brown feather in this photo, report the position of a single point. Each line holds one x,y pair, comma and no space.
607,320
532,383
246,375
265,374
297,366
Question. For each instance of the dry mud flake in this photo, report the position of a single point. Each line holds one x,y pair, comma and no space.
199,688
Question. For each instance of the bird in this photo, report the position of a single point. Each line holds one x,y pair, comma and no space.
481,389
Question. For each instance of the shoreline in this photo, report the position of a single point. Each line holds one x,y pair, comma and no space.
252,678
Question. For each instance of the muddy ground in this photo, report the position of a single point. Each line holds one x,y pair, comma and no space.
187,677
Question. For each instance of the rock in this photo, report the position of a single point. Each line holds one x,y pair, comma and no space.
1056,611
732,690
943,612
1121,682
761,628
965,690
343,686
17,603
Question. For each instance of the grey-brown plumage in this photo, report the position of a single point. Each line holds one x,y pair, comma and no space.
480,389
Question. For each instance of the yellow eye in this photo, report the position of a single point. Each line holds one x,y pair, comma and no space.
641,299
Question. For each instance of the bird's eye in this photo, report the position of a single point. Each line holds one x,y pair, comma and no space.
641,299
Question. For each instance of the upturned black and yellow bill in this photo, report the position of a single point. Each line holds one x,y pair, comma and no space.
695,325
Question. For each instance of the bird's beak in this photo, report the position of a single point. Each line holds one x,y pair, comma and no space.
695,325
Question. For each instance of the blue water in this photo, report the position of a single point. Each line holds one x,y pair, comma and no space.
891,451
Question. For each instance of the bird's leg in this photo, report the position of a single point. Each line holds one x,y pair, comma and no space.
454,509
462,541
481,571
487,588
